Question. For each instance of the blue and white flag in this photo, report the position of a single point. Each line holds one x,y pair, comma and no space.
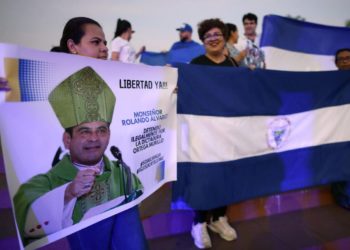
295,45
244,134
154,58
172,57
185,55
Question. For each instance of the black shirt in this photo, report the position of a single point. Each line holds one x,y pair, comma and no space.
204,60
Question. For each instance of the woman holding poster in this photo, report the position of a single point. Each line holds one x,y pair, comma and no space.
84,36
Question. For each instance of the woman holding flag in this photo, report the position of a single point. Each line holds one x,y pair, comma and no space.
213,34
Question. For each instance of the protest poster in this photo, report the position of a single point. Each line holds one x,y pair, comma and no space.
143,128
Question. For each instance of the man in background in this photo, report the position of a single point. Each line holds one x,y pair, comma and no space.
342,59
185,35
250,22
250,41
186,49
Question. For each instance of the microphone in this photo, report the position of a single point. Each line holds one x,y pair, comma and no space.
56,158
116,153
128,189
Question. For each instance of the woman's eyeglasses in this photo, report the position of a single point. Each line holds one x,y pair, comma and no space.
212,37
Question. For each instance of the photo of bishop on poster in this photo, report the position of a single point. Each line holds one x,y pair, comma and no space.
88,139
84,105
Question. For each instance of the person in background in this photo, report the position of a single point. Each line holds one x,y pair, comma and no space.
121,48
250,22
84,36
185,35
81,36
231,42
342,59
341,189
213,34
186,49
255,57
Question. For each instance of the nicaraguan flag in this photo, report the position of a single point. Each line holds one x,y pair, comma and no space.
295,45
154,58
185,55
244,134
172,57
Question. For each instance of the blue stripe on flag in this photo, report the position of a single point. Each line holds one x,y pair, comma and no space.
225,91
290,34
185,55
209,185
154,58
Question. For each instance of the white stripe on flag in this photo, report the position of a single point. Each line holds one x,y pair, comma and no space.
280,59
216,139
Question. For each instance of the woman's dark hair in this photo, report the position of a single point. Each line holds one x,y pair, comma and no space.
122,26
230,27
75,30
208,24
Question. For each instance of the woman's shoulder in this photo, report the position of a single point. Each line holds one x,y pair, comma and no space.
119,40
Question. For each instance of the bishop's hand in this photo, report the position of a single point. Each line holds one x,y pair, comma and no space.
81,184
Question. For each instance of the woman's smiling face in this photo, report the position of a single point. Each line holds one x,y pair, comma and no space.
214,41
